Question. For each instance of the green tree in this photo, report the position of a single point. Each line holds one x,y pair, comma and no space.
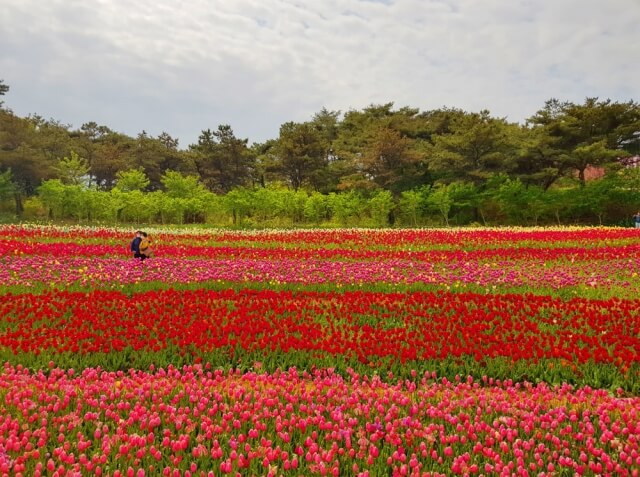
148,154
594,133
266,166
327,124
390,159
76,203
316,208
113,153
411,204
132,205
292,204
3,90
222,160
541,160
156,155
440,198
346,206
87,140
559,202
73,170
190,194
380,206
520,203
628,185
609,200
115,203
300,154
477,147
237,157
100,205
238,204
629,179
457,197
590,154
7,187
266,202
178,185
133,179
168,209
381,147
52,194
52,139
21,152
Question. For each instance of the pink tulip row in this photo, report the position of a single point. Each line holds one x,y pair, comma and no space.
197,421
101,272
359,238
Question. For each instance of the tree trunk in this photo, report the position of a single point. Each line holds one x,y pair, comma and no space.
484,220
19,206
581,176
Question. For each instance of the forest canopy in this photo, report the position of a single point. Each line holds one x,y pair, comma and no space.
380,165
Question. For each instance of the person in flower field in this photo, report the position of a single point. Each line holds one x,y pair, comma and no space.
636,220
135,244
145,246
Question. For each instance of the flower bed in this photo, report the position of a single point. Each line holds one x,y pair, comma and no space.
342,352
196,421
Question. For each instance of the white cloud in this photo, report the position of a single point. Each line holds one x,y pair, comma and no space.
187,66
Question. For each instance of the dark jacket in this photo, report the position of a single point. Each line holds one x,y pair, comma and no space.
135,245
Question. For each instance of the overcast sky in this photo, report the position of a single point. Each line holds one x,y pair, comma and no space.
184,66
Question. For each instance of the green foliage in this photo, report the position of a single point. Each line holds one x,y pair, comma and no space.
380,206
558,203
390,158
266,203
316,208
441,199
172,210
3,89
7,187
130,180
222,160
35,209
552,371
590,154
52,194
477,147
520,203
179,186
410,206
73,170
301,154
569,136
238,203
132,206
505,173
611,200
292,205
608,200
540,160
77,202
345,207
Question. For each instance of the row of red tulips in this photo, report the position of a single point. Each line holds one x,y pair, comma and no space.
364,327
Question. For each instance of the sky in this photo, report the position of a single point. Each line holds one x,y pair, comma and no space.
185,66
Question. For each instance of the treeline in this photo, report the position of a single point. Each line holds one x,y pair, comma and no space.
611,200
375,166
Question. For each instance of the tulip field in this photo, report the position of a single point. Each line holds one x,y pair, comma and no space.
426,352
